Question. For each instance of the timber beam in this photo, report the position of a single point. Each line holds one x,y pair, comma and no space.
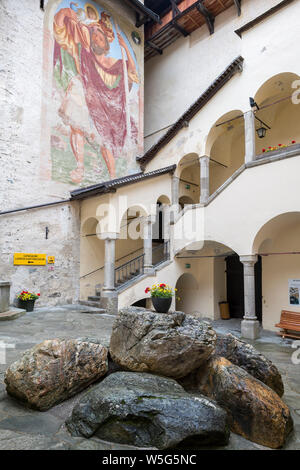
154,46
179,28
209,17
238,6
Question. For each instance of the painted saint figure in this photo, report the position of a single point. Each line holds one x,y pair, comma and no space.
95,104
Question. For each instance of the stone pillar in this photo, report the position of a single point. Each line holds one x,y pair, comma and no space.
175,199
175,190
204,179
148,266
109,297
4,296
250,327
250,150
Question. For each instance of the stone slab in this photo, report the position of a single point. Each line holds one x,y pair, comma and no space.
12,314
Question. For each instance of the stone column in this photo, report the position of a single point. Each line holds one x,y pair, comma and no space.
4,296
148,266
109,298
250,327
250,151
204,179
175,190
175,199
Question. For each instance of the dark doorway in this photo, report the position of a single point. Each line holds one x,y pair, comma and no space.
235,287
140,303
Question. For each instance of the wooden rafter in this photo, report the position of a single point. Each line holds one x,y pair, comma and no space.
175,12
209,17
238,6
154,46
179,28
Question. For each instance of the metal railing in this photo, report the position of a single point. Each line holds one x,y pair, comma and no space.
161,253
102,267
129,270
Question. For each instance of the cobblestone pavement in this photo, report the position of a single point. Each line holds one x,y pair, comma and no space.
22,428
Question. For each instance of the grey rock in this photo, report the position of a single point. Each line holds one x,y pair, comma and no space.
248,358
145,410
55,370
255,411
171,345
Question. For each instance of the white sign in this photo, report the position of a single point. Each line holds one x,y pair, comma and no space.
294,291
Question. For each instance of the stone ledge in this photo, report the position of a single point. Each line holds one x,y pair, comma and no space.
12,314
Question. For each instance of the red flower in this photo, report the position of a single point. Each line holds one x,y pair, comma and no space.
293,141
263,150
269,147
38,294
162,286
279,145
147,290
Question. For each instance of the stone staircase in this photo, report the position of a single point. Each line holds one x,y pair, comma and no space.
128,273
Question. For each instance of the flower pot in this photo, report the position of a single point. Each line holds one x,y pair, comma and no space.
27,305
161,304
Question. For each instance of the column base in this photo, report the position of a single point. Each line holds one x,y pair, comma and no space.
109,301
250,329
149,270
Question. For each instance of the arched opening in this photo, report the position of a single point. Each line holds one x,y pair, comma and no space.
160,230
189,178
277,113
185,200
144,303
220,277
278,244
91,259
226,148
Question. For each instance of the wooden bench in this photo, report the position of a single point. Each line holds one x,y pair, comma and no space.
289,324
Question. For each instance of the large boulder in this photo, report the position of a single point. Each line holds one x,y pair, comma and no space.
247,357
145,410
171,345
255,411
55,370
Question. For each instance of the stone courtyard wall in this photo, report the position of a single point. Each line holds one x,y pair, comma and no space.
25,101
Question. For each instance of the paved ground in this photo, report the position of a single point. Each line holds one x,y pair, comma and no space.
21,428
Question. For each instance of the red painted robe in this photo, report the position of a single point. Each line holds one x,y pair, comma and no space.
104,87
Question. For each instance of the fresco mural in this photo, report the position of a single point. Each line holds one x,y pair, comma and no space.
96,93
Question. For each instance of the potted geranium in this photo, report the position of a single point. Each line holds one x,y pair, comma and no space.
161,296
27,299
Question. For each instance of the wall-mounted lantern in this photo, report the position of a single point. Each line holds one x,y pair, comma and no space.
261,132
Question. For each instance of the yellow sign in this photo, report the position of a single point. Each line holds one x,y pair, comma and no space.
51,259
33,259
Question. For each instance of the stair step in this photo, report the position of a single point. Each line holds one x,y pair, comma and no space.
94,298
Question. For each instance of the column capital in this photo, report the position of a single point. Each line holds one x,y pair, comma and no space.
248,259
108,236
204,158
149,219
